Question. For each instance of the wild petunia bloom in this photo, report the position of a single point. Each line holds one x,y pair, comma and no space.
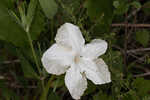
80,62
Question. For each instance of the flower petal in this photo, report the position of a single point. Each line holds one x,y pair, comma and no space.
94,49
96,71
70,35
57,59
75,82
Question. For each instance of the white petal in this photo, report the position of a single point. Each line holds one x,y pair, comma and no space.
70,35
57,59
75,82
94,49
96,71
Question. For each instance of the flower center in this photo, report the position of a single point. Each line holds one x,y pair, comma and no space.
77,58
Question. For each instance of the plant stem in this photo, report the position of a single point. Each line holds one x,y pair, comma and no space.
52,31
45,91
33,52
35,58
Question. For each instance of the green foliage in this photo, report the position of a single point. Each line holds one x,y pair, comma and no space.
7,93
31,12
10,29
136,4
27,68
142,37
102,96
13,27
49,7
46,89
146,8
121,7
99,8
91,88
53,96
37,25
101,12
141,86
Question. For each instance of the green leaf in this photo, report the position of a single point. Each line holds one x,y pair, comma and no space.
100,11
53,96
142,86
121,7
9,29
116,4
136,4
99,8
130,95
57,83
49,7
8,3
102,96
27,68
146,8
37,24
91,88
31,11
12,30
142,37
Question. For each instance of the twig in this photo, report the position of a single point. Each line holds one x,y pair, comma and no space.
133,50
138,50
20,86
10,62
141,60
130,25
2,77
143,68
125,44
142,75
13,85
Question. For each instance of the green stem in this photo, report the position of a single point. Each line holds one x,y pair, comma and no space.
35,58
52,32
45,92
33,52
39,47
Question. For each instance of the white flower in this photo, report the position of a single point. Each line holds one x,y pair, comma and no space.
70,54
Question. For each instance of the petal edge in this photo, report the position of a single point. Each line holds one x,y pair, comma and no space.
71,36
75,82
57,59
96,71
94,49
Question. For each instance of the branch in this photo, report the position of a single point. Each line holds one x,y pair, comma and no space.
13,85
130,25
142,75
10,62
132,50
138,50
20,86
2,77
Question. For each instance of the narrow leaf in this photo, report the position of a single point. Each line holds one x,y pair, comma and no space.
27,68
49,7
